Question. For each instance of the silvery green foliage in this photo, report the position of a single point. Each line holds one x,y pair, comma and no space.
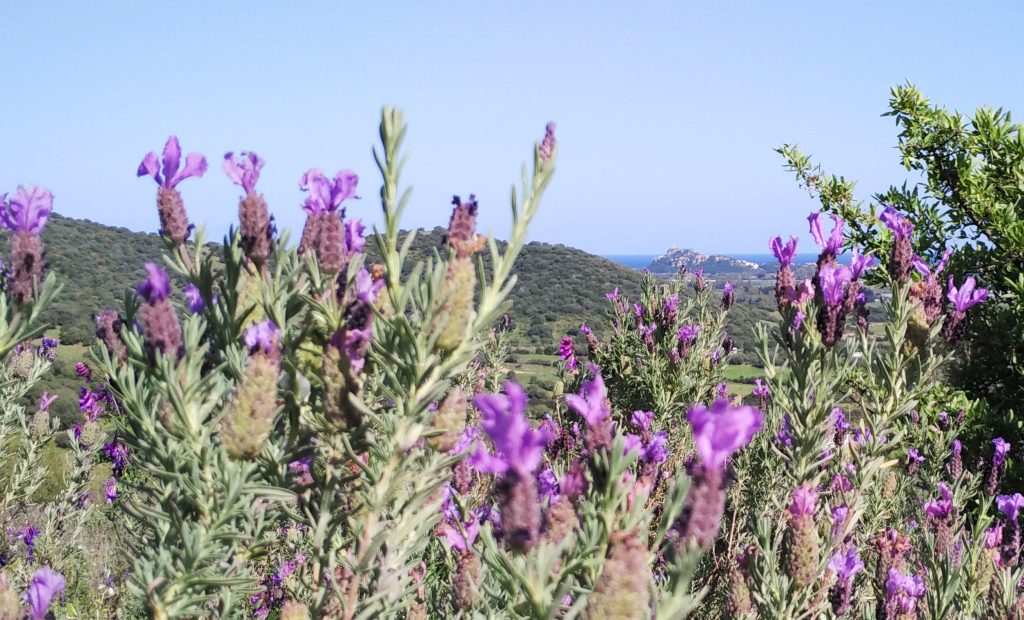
645,362
888,387
51,533
209,523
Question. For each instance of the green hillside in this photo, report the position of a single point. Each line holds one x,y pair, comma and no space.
558,286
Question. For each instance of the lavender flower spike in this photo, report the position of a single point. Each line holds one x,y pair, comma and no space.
27,211
46,584
722,430
195,165
243,170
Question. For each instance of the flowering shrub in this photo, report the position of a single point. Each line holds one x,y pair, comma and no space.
296,432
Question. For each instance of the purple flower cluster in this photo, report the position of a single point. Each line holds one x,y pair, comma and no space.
25,215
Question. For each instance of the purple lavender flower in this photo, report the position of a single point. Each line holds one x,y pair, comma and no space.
88,404
118,454
195,165
592,401
326,195
519,447
613,295
720,431
839,515
943,507
761,391
831,279
243,170
897,223
784,437
263,336
46,584
568,353
1001,448
110,487
461,537
783,253
901,257
547,484
83,371
28,537
967,295
45,400
956,463
547,145
803,501
841,425
156,287
27,211
1010,505
834,243
798,321
642,419
687,335
194,299
914,460
585,329
902,593
861,263
728,297
846,565
656,449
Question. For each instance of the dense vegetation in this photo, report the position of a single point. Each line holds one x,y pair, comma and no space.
333,430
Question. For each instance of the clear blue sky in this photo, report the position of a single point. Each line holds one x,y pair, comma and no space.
667,112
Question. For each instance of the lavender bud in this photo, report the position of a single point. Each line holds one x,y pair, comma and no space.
173,218
623,590
466,582
340,383
450,420
520,510
785,281
704,505
330,244
559,520
256,228
457,292
108,330
901,259
802,547
28,262
10,602
250,416
294,610
161,330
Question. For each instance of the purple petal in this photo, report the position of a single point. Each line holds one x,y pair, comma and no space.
195,166
171,159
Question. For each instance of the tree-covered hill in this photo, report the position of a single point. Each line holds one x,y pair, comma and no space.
558,286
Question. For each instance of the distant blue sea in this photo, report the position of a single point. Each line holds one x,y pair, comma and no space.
642,261
633,261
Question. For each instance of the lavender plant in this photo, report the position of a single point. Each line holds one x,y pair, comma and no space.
298,395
